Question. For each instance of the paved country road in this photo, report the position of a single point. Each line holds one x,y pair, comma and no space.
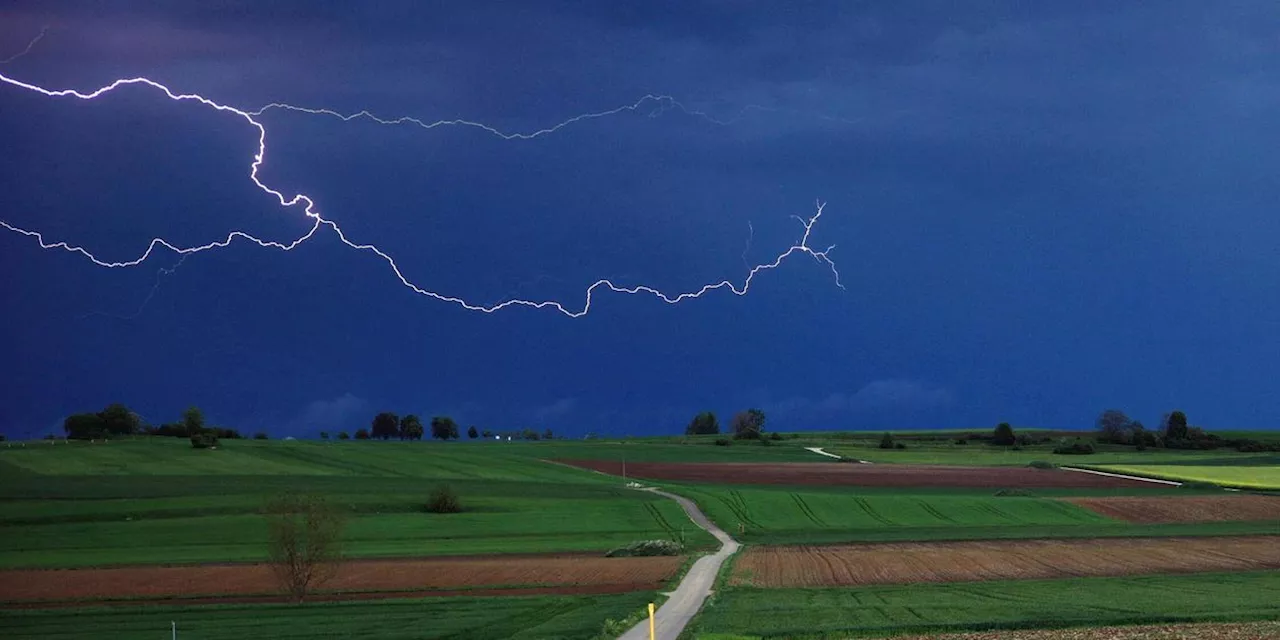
685,601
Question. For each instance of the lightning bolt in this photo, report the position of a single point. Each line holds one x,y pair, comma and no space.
30,45
164,271
308,206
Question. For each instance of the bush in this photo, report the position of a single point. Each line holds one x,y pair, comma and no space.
886,441
646,548
1003,435
961,441
1074,449
899,445
204,441
444,500
723,442
775,436
1041,464
1014,493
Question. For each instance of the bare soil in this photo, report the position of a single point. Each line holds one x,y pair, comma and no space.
902,563
862,475
1215,631
355,580
1184,509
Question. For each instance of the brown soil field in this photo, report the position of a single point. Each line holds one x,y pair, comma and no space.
1214,631
572,574
862,475
902,563
1184,509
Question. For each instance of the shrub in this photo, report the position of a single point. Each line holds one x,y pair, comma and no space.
899,445
646,548
1014,493
1041,464
886,441
723,442
775,436
1074,449
204,441
444,500
961,441
1003,435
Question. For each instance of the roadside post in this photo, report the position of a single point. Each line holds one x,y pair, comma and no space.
651,636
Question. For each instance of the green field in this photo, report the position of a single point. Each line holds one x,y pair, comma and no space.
741,613
978,454
814,515
1256,476
457,618
161,501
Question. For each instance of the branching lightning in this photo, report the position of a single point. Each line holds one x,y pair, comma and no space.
309,209
30,45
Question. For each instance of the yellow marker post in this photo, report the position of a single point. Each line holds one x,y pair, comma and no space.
651,636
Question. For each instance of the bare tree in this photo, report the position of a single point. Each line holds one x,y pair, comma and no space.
305,541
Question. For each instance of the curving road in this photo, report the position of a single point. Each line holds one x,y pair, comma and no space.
679,609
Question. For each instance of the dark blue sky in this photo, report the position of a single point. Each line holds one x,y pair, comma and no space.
1040,212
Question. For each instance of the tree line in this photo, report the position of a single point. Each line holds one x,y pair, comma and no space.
387,425
745,425
118,420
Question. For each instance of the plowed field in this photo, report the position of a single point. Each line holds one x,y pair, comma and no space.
866,564
1184,509
864,475
573,574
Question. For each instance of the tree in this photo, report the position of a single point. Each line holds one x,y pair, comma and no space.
1114,426
704,423
324,435
486,434
886,441
343,435
304,534
386,425
117,419
193,420
748,425
444,428
411,427
362,434
472,433
1176,426
84,426
1003,435
547,434
529,434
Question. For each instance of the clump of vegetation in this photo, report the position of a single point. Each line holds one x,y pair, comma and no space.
704,423
961,441
204,440
1074,449
1195,484
886,441
775,436
304,534
1014,493
748,425
723,442
647,548
444,500
1003,435
1041,464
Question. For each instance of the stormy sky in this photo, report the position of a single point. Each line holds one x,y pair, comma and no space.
1040,211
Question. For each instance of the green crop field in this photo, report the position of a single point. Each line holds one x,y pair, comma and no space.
456,618
740,613
823,515
1256,476
161,501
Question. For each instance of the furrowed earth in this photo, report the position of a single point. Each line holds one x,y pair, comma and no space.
1149,509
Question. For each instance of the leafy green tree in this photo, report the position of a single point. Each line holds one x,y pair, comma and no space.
1114,426
362,434
343,435
748,425
117,419
411,428
547,434
1176,426
529,434
444,428
1003,435
472,433
84,426
886,441
386,425
193,420
704,423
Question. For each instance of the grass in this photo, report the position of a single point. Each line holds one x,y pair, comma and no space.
789,515
743,613
456,618
162,501
1262,476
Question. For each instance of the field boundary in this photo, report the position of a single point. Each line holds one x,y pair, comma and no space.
1122,475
